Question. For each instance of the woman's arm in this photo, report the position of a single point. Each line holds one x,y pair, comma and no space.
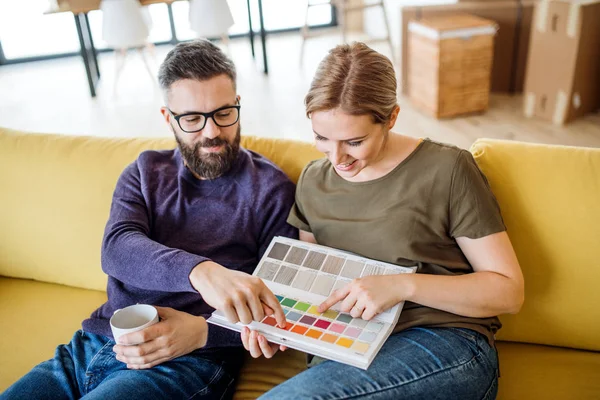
496,287
307,237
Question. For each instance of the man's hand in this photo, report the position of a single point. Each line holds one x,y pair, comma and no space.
368,296
258,345
241,297
176,334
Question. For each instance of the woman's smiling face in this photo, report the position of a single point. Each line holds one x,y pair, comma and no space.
350,142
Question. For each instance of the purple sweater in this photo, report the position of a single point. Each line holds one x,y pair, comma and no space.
163,222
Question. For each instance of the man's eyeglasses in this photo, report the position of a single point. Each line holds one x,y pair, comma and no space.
196,121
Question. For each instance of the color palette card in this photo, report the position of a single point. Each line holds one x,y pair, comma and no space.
302,275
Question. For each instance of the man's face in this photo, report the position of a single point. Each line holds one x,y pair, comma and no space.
210,152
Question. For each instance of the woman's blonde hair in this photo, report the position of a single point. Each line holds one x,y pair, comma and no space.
357,79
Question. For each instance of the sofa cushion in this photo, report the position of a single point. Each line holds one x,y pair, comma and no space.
549,196
36,317
551,373
56,195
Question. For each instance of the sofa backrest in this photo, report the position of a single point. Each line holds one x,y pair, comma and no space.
550,201
55,196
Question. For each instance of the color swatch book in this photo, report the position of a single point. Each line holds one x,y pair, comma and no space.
302,275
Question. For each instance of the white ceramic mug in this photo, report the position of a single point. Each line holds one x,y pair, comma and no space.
132,319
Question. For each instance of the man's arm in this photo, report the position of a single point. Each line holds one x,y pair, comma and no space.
130,255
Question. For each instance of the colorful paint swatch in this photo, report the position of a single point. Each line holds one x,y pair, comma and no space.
368,336
293,316
313,333
333,265
268,270
314,310
337,328
329,338
344,342
323,285
286,275
288,302
279,298
352,269
288,326
304,280
308,320
299,329
285,310
296,255
314,260
278,251
345,318
322,324
359,322
360,347
353,332
302,306
269,321
331,314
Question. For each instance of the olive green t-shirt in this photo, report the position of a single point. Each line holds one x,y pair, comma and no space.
411,217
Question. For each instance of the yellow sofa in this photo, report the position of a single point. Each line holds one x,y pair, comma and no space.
55,194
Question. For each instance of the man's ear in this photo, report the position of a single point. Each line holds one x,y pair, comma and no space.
167,116
238,98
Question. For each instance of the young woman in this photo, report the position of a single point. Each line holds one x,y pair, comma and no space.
412,202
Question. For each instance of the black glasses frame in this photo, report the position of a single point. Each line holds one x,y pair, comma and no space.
206,117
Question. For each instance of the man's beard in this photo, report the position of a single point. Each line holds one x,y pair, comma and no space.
210,165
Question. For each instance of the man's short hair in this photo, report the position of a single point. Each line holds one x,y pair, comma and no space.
199,60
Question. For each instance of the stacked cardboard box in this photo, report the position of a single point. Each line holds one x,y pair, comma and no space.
563,69
513,19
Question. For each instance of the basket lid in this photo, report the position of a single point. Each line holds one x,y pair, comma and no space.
453,26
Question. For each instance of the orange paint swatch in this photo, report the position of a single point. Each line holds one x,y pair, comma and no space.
329,338
313,333
299,329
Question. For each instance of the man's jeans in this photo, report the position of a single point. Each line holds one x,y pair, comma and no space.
87,367
419,363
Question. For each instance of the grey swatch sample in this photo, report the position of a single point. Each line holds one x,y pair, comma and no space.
333,265
314,260
304,280
278,251
323,285
352,269
286,275
268,270
296,255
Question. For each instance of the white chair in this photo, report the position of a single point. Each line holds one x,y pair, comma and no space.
210,19
343,8
125,25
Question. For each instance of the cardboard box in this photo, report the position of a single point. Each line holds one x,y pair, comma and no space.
450,60
563,70
511,44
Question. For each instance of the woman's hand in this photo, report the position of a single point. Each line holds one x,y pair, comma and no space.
368,296
178,333
258,345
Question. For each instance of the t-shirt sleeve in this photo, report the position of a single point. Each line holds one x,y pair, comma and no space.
474,210
297,217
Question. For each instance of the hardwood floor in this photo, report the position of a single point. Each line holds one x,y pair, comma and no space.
52,96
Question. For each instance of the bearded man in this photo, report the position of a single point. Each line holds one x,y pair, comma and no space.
186,229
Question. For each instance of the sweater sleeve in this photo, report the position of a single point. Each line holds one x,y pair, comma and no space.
275,213
130,255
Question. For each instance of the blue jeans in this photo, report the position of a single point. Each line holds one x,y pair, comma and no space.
419,363
87,367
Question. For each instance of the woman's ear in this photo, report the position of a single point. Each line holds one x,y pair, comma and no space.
394,117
